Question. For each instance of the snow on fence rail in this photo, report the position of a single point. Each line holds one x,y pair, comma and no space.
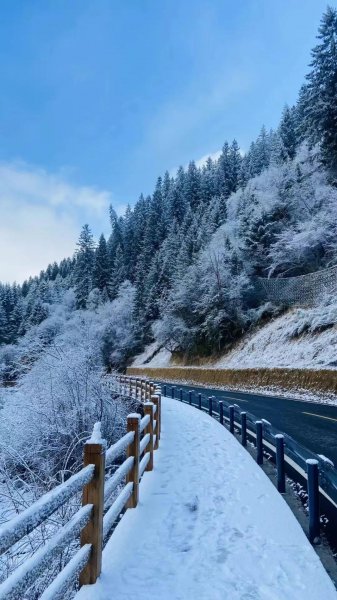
290,457
94,521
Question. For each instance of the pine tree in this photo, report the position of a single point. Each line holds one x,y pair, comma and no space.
39,313
234,166
223,172
192,186
102,267
157,217
287,134
83,276
177,199
3,324
260,153
319,97
208,181
118,273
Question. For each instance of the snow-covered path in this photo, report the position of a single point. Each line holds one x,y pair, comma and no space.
209,526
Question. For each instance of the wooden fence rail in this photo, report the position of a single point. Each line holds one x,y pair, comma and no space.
94,521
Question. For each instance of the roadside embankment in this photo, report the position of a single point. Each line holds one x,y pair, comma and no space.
314,380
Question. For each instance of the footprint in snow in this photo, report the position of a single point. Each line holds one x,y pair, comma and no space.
183,518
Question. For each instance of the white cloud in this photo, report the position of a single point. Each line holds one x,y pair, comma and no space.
202,161
40,218
199,162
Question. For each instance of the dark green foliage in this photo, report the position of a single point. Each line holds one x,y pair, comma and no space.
102,266
83,275
318,99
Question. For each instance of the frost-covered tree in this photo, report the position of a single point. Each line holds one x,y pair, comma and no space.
287,132
83,276
102,267
319,96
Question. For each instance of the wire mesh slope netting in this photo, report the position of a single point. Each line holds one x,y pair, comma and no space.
303,290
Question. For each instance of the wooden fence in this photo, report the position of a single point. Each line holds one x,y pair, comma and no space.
93,522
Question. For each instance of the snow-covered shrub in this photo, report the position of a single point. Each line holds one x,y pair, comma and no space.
118,327
312,320
47,418
206,307
282,222
9,364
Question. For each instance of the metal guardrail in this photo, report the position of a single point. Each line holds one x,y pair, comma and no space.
296,457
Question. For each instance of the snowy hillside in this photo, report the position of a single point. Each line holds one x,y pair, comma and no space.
279,344
300,338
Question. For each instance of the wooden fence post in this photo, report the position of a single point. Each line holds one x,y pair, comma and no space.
148,410
133,421
93,493
158,393
156,401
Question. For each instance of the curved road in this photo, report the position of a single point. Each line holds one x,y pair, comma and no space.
312,425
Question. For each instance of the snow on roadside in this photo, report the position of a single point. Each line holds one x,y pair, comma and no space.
274,391
153,356
210,525
275,345
279,343
142,358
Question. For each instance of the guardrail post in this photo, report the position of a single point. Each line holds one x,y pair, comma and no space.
181,395
93,493
220,412
199,401
130,387
281,476
165,391
156,401
210,406
231,419
148,410
133,421
313,500
190,397
243,429
172,392
259,442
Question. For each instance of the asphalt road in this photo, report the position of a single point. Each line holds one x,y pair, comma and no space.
312,425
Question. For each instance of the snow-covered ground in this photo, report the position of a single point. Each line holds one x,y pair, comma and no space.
153,356
210,525
274,346
283,342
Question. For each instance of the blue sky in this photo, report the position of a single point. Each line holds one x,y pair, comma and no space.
100,97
